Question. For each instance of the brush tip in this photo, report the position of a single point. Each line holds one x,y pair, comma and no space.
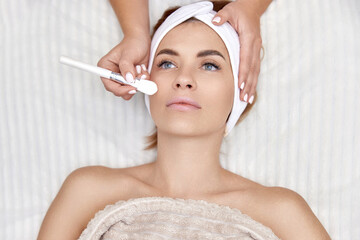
147,87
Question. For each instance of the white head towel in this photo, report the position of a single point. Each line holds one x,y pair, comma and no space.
203,12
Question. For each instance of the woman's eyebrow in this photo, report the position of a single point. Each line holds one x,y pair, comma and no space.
200,54
168,51
209,52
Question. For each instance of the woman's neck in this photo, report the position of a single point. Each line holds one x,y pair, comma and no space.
187,166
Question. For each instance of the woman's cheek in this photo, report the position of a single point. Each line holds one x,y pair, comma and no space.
159,98
222,97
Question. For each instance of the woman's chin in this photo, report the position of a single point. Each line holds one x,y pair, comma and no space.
182,130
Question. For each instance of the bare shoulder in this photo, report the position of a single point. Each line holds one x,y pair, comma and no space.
98,186
281,209
84,192
95,180
288,214
116,183
93,176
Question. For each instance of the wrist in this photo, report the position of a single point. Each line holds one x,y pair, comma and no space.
138,34
138,37
257,6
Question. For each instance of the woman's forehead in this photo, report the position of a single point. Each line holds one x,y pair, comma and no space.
194,34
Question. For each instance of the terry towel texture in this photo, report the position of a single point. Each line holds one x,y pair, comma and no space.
168,218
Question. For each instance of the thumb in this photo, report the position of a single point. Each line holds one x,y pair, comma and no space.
220,18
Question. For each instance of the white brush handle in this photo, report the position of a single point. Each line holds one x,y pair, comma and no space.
145,86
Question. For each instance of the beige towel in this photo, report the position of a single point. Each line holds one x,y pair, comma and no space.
168,218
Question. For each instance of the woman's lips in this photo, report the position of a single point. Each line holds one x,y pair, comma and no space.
183,107
183,104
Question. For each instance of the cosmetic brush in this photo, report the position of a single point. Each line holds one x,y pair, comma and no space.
146,86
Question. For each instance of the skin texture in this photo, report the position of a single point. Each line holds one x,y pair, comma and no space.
133,50
184,139
199,78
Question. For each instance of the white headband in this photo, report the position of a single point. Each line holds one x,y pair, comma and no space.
203,12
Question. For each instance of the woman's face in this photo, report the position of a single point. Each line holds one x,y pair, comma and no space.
192,62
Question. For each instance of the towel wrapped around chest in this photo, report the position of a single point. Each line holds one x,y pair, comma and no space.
168,218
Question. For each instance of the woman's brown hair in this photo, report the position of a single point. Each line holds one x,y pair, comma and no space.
218,5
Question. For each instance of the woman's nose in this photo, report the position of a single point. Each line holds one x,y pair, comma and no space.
184,81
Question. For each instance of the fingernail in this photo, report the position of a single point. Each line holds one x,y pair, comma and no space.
251,99
129,77
143,67
245,98
138,69
132,92
242,86
217,19
143,77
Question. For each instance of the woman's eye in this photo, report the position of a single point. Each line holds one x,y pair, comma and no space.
166,65
210,67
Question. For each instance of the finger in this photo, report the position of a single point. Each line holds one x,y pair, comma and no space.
246,93
106,63
221,17
144,63
144,73
254,76
138,70
119,90
143,67
251,81
141,73
245,64
250,91
255,79
127,69
127,97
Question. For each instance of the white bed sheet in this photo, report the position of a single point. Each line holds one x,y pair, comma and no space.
303,132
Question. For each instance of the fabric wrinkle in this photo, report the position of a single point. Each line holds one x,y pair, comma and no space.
168,218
